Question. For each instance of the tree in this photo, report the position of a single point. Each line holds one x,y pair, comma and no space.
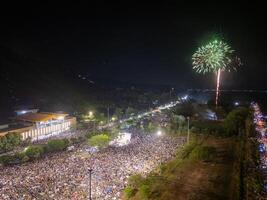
235,120
129,111
34,152
220,113
118,113
179,122
9,141
56,145
150,127
250,129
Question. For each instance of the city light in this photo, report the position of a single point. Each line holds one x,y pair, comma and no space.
91,114
185,97
60,118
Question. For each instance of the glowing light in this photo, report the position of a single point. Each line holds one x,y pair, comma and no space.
185,97
159,133
90,113
60,118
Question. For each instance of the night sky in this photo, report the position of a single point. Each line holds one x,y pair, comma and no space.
147,43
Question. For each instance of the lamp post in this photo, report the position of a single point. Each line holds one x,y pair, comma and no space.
188,131
90,177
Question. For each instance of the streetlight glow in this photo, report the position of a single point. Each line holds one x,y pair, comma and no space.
159,133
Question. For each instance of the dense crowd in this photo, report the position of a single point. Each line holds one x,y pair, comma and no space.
65,175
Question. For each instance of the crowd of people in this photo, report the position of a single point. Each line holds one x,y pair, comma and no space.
65,175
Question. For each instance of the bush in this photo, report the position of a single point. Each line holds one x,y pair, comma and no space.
99,140
9,142
34,152
23,157
14,159
135,180
194,130
144,191
5,159
56,145
209,127
129,192
188,148
206,153
78,140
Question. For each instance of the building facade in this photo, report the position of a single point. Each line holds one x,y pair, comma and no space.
35,126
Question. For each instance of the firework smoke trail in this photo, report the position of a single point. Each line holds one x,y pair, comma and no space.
218,86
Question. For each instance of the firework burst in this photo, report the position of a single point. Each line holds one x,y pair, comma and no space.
216,56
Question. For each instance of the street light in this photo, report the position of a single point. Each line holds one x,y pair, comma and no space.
159,133
91,114
188,131
90,177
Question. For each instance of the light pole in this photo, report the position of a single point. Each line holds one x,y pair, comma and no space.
90,177
188,131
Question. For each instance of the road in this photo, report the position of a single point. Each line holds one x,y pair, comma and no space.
260,125
141,115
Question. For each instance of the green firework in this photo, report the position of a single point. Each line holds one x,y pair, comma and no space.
212,57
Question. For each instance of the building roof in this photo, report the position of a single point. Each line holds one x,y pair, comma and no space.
39,117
